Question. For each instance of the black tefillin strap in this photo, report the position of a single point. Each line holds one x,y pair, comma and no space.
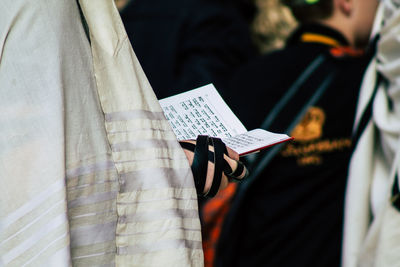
200,162
202,155
219,149
395,199
367,113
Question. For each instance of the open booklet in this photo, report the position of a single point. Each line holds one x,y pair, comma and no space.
202,111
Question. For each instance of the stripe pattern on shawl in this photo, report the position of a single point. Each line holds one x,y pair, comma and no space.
105,181
157,204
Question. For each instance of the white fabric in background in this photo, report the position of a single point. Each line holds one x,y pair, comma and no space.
372,224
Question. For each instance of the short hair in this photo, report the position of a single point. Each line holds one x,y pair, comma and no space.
310,10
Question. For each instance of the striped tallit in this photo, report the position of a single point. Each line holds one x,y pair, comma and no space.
90,172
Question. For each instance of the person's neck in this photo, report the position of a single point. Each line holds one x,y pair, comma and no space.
121,4
340,25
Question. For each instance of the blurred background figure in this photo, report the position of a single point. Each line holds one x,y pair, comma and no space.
184,44
272,25
290,212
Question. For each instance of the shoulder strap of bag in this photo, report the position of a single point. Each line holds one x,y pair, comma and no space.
304,81
257,163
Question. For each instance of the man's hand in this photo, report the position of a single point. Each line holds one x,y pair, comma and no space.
231,158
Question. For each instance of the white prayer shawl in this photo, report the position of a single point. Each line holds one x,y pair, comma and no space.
90,172
372,224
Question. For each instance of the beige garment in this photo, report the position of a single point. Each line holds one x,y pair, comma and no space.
90,172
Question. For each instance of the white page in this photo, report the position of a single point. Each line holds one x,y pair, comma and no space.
201,111
254,140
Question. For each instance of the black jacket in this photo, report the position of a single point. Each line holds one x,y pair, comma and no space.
183,44
291,215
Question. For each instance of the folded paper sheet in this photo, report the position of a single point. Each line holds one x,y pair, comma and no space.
202,111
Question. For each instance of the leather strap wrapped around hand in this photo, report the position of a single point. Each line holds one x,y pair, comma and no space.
219,149
200,162
202,155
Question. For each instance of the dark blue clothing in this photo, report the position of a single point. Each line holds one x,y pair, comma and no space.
184,44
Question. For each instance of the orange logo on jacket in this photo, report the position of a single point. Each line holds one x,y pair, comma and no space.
310,127
309,146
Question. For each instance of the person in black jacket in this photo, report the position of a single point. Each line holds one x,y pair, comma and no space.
290,212
184,44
